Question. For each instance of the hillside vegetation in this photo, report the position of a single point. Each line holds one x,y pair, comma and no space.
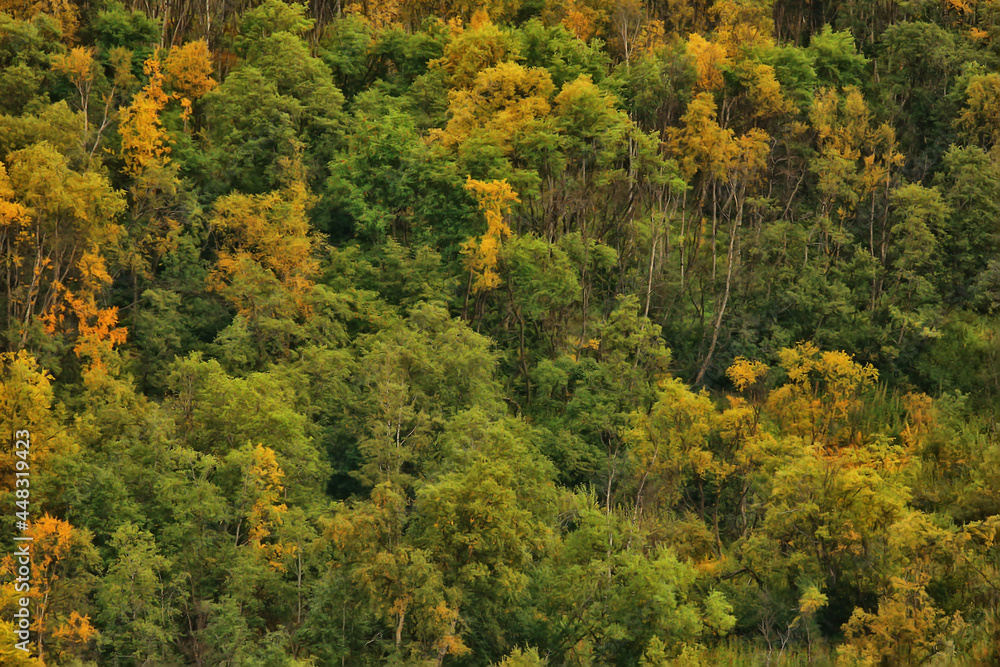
514,332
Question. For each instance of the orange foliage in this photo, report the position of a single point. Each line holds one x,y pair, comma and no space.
54,542
12,214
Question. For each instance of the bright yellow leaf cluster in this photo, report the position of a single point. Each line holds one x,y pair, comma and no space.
495,198
144,141
266,245
264,478
188,70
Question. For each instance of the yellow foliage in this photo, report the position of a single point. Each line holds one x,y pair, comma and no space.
266,245
847,137
812,601
752,151
765,91
980,119
54,541
64,12
78,65
501,102
26,397
906,629
650,36
670,444
823,391
98,330
709,59
77,629
471,52
12,213
9,655
263,482
583,21
919,418
743,373
703,145
743,25
188,71
379,14
55,226
144,142
495,198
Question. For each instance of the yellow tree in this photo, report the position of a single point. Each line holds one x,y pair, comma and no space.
56,228
750,445
729,167
188,70
495,198
144,141
584,18
262,490
26,403
97,328
399,580
668,446
65,12
856,164
266,262
709,60
500,102
634,30
454,11
154,227
379,15
823,393
907,628
473,50
743,25
81,69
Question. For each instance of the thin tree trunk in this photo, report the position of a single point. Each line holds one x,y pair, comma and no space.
725,296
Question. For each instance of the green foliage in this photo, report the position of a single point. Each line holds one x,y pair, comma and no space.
559,332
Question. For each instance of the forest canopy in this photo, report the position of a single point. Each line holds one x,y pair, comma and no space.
512,332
